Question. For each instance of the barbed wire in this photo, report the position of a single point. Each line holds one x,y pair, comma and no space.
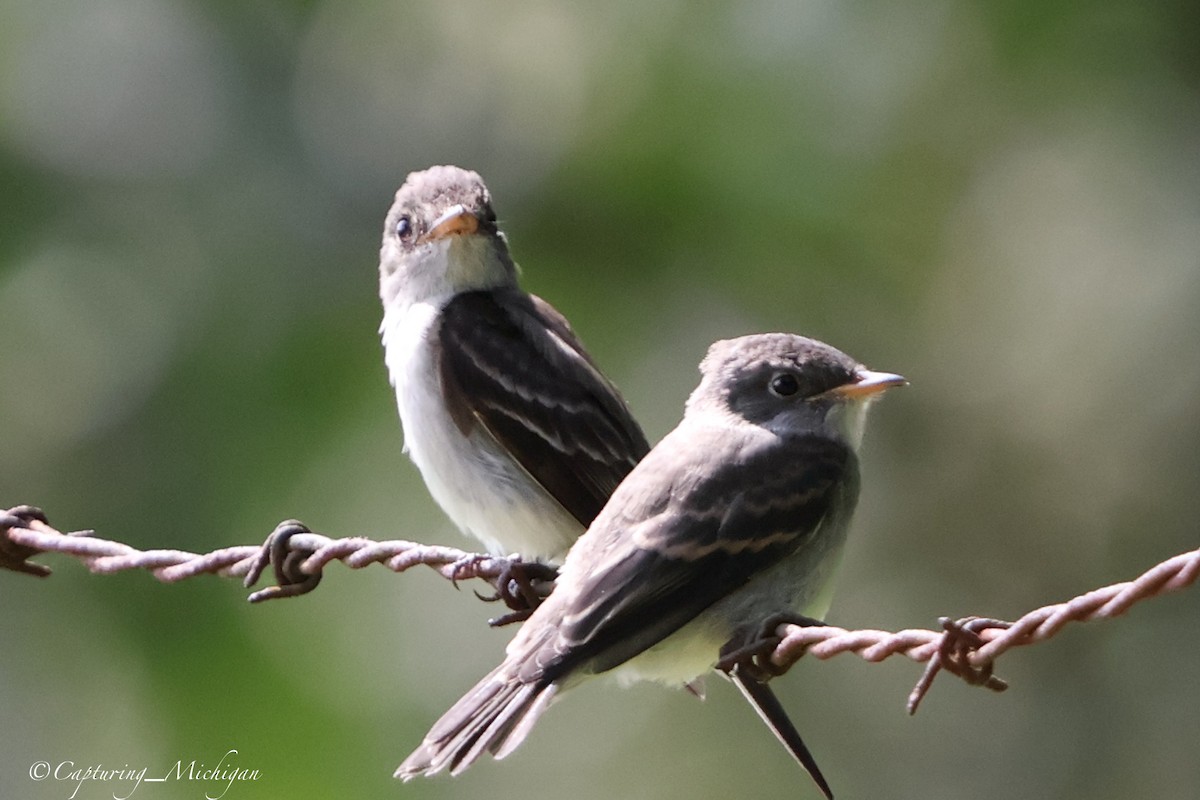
967,647
297,554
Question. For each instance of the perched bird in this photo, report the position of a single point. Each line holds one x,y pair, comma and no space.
519,437
734,521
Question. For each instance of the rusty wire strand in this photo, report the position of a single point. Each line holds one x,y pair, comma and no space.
967,647
970,646
297,554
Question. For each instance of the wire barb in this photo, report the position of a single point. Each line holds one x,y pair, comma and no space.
960,639
970,646
967,647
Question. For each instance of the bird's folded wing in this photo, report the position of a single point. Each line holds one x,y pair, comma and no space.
718,528
510,363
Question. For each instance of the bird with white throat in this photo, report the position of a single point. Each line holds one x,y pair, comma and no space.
518,435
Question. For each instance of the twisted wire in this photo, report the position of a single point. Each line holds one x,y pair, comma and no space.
967,647
297,554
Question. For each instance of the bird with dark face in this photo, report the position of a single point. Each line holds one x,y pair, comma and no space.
735,519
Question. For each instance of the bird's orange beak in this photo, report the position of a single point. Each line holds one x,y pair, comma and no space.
457,221
869,383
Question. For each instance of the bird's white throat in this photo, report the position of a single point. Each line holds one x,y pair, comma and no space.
438,270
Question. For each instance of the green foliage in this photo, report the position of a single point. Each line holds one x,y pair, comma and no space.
997,200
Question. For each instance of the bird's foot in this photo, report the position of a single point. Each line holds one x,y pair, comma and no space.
471,565
522,585
751,648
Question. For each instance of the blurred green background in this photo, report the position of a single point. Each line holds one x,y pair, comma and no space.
999,200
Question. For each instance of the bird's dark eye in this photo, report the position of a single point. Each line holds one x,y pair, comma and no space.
784,384
404,227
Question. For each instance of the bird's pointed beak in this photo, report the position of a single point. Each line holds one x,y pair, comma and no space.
869,383
457,221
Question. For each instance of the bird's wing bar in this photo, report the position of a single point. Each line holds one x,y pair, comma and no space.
733,522
510,363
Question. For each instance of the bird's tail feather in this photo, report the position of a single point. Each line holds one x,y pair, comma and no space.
493,717
772,712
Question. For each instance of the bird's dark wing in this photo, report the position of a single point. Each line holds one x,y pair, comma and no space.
716,526
772,712
510,363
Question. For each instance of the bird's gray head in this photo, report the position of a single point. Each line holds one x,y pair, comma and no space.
440,238
789,384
